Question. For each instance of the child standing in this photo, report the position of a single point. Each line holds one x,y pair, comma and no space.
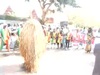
13,39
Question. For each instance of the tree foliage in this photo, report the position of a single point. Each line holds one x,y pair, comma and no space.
69,2
46,4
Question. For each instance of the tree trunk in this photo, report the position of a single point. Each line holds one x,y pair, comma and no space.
43,19
44,11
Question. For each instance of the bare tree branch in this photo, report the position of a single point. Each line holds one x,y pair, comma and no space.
39,1
45,8
48,6
47,11
44,2
40,4
45,20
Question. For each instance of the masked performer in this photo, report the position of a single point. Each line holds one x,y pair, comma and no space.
32,44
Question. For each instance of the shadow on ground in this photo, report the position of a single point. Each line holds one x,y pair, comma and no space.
5,54
10,69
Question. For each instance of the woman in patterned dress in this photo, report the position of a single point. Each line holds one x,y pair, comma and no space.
89,40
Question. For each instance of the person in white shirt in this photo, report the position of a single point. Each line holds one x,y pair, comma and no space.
13,39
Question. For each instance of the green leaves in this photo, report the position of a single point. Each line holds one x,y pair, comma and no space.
58,7
63,3
69,2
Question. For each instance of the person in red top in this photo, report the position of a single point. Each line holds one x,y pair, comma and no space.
76,38
6,37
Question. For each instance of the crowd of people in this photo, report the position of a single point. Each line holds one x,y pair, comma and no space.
9,36
67,38
59,37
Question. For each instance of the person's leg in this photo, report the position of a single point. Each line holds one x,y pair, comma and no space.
61,45
51,43
64,43
15,45
68,42
7,45
54,44
57,45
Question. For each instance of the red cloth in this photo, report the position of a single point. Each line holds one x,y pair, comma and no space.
93,41
76,38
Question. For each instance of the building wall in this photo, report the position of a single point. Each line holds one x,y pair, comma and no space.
12,22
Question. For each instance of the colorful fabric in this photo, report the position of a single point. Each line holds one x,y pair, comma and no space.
68,36
89,38
18,32
48,37
51,40
2,39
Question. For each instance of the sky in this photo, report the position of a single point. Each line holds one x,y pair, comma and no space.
23,8
20,7
89,3
91,7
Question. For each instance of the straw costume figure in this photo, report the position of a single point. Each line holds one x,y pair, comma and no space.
32,44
